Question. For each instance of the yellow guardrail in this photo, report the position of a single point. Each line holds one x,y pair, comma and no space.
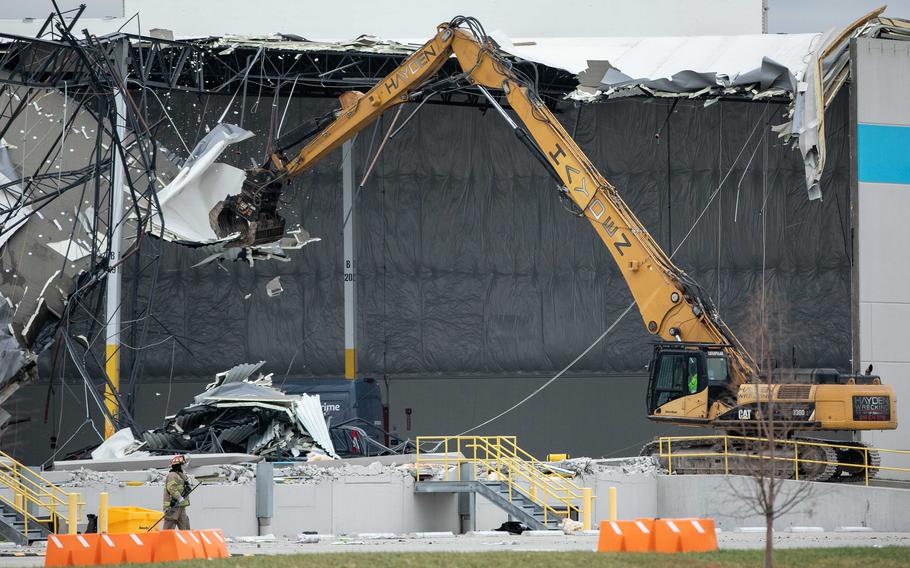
39,501
498,458
726,445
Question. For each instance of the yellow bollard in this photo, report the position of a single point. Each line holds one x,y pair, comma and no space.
612,503
587,498
102,512
73,516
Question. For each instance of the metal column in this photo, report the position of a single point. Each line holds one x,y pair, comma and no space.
112,331
350,267
265,496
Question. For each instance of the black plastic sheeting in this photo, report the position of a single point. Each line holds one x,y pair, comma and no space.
469,263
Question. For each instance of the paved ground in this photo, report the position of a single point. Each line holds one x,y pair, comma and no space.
501,543
734,540
558,543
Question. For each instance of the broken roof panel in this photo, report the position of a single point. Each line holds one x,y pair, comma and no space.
245,392
807,69
664,57
236,374
290,42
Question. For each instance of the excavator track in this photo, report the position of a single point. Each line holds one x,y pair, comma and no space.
687,458
850,461
822,463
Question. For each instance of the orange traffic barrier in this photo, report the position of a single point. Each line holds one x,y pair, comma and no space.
72,550
127,548
657,535
174,545
196,544
213,544
684,535
625,536
158,546
698,535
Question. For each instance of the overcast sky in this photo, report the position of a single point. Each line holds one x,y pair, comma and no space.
784,16
797,16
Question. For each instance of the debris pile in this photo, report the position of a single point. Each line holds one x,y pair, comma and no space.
239,414
619,466
90,478
298,473
309,474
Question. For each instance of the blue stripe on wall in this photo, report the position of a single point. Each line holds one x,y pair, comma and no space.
883,153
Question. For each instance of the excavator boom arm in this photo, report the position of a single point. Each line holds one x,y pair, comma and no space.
359,110
670,303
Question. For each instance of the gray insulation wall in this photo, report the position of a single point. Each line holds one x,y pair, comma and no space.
469,263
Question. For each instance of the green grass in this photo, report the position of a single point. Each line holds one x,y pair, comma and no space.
888,557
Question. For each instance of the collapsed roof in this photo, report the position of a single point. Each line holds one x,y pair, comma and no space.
806,69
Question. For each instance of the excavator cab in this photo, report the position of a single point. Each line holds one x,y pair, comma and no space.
685,378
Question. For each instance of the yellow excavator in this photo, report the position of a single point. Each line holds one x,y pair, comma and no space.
700,374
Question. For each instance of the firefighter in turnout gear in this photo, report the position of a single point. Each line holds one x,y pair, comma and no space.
176,496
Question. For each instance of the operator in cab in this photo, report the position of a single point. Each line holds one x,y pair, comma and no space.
176,496
693,375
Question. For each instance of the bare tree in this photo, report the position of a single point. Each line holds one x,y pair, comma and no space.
769,447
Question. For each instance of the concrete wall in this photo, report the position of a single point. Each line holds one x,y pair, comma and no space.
881,200
387,503
636,495
827,505
380,503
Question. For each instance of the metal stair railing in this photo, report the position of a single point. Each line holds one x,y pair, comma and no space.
499,458
39,502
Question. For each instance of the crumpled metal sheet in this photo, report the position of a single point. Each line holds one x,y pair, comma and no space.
827,69
238,413
245,392
308,410
235,374
186,203
199,185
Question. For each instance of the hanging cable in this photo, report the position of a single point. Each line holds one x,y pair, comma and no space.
559,374
283,114
629,308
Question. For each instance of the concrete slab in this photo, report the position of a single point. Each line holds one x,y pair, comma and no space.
155,462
